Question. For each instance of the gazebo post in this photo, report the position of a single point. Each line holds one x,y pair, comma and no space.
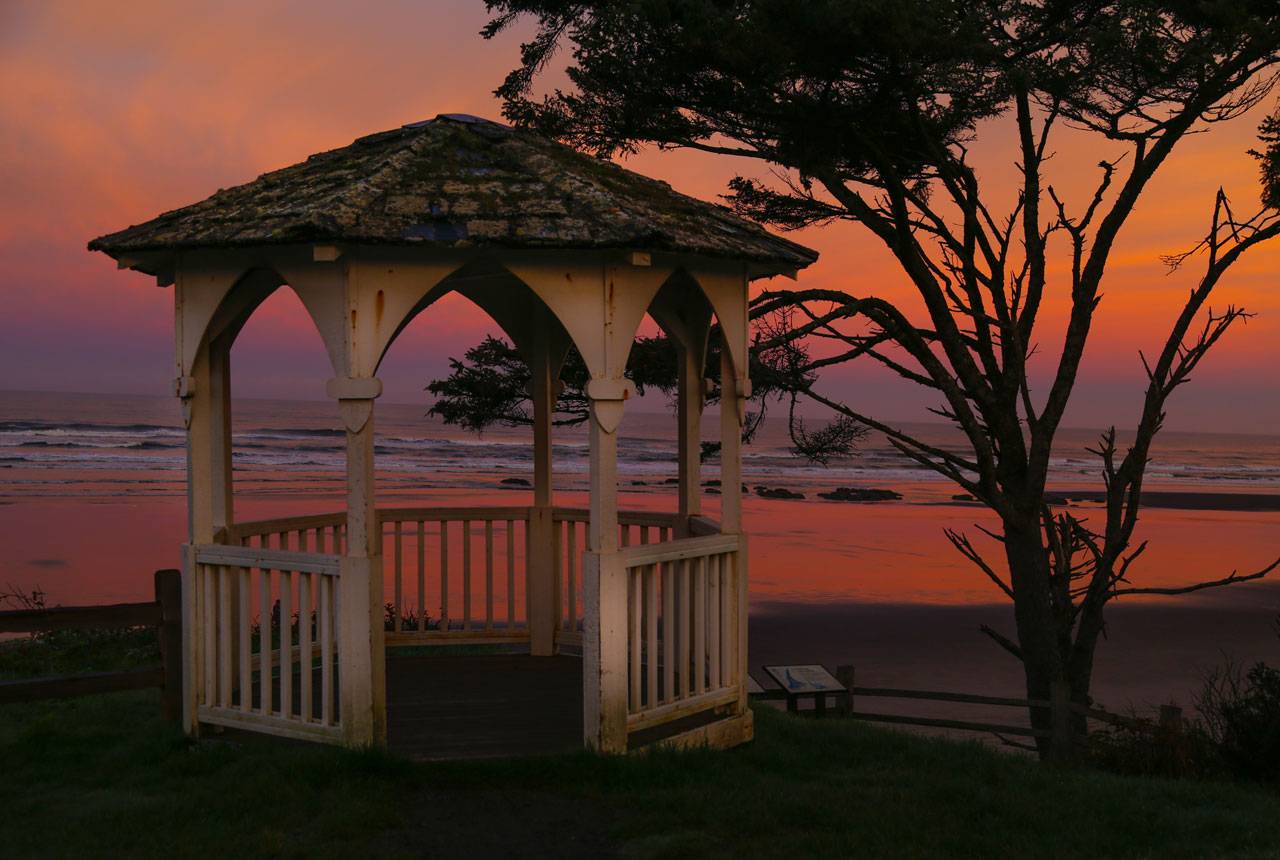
361,664
604,590
542,580
206,405
690,398
689,453
734,391
731,402
209,485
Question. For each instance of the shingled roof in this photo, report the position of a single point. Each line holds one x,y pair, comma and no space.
459,182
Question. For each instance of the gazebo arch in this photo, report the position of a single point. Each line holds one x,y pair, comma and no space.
558,248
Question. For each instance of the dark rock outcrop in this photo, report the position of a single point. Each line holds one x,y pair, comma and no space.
777,493
860,494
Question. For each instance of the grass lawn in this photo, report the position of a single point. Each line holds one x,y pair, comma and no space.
104,776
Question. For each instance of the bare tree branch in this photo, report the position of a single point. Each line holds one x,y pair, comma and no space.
1217,583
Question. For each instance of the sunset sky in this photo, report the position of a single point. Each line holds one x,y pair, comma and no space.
111,113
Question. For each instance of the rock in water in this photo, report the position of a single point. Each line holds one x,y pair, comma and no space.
777,493
860,494
516,482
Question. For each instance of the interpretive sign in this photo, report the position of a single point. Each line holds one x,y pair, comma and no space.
805,680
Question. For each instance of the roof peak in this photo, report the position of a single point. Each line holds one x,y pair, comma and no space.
460,181
464,118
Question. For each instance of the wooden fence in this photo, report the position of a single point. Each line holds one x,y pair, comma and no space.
164,613
1059,707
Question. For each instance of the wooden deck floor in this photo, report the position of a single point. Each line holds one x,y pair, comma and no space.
483,706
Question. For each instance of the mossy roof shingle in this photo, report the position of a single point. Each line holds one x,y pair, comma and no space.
459,182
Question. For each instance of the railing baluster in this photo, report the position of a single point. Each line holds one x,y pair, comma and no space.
326,650
668,632
557,552
511,576
685,605
700,626
224,637
528,592
735,612
305,603
244,622
713,617
265,643
422,577
488,575
572,529
635,605
398,615
444,575
466,574
651,634
286,644
208,618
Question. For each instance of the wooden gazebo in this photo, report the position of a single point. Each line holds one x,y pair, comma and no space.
559,248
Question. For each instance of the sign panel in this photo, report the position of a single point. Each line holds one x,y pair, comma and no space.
753,686
801,680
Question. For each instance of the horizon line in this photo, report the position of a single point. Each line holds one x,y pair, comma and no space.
927,423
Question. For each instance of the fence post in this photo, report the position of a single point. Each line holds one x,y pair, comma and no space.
1171,719
844,674
1060,720
168,589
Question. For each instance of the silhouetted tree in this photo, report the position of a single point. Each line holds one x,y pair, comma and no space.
490,385
867,112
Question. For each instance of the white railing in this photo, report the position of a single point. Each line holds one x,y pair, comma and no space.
320,533
264,637
683,617
456,574
570,540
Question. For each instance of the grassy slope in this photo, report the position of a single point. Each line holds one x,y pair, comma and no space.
103,776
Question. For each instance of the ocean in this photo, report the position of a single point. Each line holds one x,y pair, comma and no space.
92,500
121,446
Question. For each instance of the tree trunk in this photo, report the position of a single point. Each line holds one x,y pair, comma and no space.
1039,637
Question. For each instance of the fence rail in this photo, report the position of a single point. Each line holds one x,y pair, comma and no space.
164,613
1170,716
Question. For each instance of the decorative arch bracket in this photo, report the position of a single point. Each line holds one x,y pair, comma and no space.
355,399
607,399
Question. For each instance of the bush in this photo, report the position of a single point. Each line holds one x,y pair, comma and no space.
1240,712
1185,752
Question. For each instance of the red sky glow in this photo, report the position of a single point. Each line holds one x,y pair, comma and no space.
111,113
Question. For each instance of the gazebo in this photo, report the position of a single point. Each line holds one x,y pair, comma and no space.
284,629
